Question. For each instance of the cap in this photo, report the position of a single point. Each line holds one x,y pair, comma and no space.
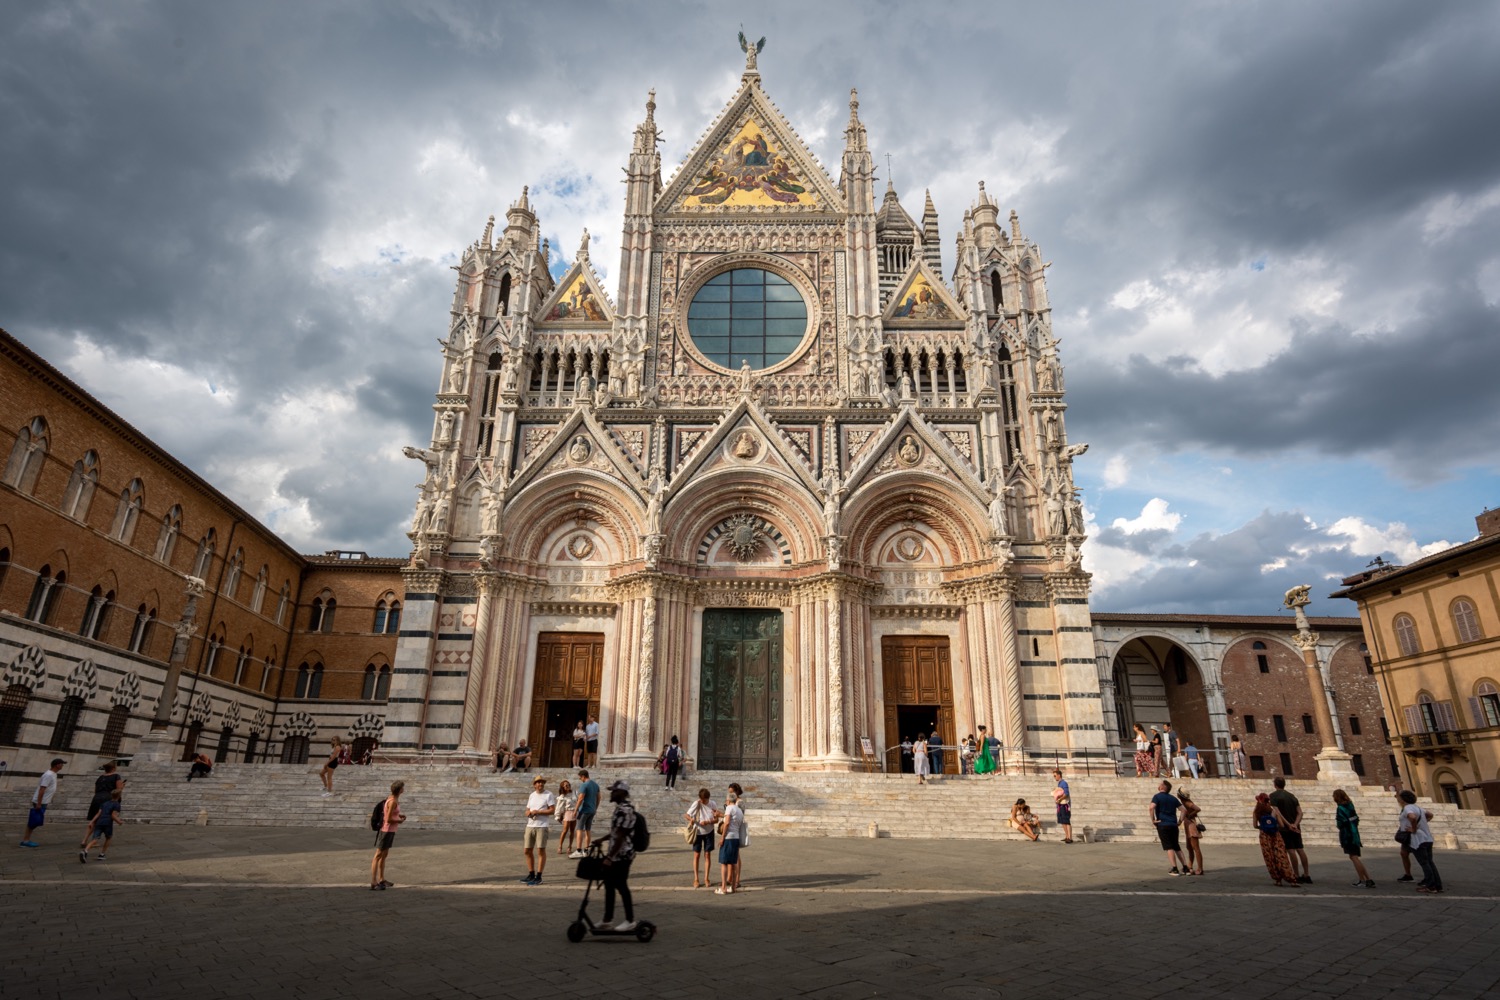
620,785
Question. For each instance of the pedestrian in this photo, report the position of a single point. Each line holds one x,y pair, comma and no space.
540,805
1022,819
1156,760
985,762
617,859
336,751
1142,752
1406,846
393,817
1291,831
567,815
1270,822
1414,824
919,759
104,785
935,752
739,868
588,804
968,750
703,814
1171,750
102,828
1191,753
591,740
580,741
908,761
200,767
1192,831
1237,754
731,828
673,761
1062,796
1164,809
1348,823
46,788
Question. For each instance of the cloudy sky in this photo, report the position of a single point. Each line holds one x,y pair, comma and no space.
1274,229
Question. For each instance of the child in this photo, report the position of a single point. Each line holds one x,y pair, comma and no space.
102,828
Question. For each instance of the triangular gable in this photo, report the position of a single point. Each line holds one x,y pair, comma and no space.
578,299
922,300
750,159
910,443
746,415
599,452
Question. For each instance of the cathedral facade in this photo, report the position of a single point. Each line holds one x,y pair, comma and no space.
788,494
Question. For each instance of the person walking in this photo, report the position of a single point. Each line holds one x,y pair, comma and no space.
540,805
46,788
104,786
1192,832
1237,755
919,759
1406,845
1163,810
394,817
703,814
673,762
580,741
336,751
588,804
617,859
1291,831
1142,752
567,815
1191,753
1155,752
1062,796
1171,749
731,828
935,753
1414,824
968,749
1348,823
1269,821
101,828
985,762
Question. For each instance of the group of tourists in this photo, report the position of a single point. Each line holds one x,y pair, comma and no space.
103,814
1164,750
924,756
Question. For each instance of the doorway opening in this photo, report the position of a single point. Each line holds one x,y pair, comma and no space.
568,669
557,738
917,685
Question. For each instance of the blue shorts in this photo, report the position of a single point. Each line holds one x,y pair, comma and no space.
104,832
704,843
584,823
729,852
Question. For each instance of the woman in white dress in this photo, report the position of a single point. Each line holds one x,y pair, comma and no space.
919,759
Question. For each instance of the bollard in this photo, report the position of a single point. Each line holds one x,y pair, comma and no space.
1088,834
202,819
1450,841
874,830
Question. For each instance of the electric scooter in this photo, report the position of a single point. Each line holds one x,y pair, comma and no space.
591,870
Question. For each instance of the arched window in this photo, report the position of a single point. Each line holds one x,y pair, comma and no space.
241,663
504,303
140,633
171,527
258,595
283,602
232,577
44,594
997,300
1465,621
387,616
215,643
1261,660
315,683
226,736
114,731
96,613
204,560
4,564
381,610
1406,635
265,674
300,691
13,713
252,744
81,485
320,618
295,750
27,456
383,684
1485,706
132,498
67,723
368,691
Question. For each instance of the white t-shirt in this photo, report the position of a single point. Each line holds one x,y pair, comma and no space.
1423,833
734,822
47,787
541,800
703,814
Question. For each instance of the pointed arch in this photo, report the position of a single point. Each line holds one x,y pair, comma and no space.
28,455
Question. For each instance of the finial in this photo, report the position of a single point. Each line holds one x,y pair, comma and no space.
489,232
1015,225
525,190
751,51
583,246
853,102
651,106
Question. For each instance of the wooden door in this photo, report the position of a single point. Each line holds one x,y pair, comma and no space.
915,670
569,667
739,704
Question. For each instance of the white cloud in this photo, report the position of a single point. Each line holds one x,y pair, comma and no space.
1116,471
1365,539
1153,517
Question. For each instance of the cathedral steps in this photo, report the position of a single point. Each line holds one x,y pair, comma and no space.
813,804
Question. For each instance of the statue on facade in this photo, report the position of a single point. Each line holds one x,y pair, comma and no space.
1075,512
999,501
906,388
655,487
751,51
653,549
1052,507
746,380
445,426
1051,431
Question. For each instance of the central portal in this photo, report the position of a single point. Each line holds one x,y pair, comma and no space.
739,713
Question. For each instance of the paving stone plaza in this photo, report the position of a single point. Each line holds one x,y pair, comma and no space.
232,912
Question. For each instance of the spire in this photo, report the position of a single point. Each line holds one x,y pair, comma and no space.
488,239
1015,226
892,218
931,251
854,132
646,134
520,220
987,220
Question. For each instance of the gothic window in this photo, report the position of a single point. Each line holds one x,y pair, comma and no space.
215,643
295,750
95,613
140,634
1261,660
27,456
265,672
1465,621
81,485
258,595
204,560
13,713
132,498
232,579
283,602
367,692
241,662
1009,415
997,301
488,403
226,736
320,617
171,527
315,682
252,744
504,303
1406,635
300,691
383,684
747,315
387,616
114,731
44,594
4,564
67,723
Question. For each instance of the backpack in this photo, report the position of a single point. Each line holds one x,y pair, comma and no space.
640,834
1267,823
674,755
377,816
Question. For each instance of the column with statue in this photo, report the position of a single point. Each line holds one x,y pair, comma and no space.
1333,763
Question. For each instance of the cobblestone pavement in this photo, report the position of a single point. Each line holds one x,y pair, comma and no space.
229,912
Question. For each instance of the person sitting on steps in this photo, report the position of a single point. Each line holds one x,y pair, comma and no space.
1024,820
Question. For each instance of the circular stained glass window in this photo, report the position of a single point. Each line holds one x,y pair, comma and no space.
747,314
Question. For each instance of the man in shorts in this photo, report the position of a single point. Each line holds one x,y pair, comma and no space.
1062,795
1291,834
40,800
540,805
591,741
588,804
1163,810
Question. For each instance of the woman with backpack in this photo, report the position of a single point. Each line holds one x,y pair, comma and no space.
391,817
1268,820
672,762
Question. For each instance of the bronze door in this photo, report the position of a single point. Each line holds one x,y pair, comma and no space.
569,667
916,672
739,703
